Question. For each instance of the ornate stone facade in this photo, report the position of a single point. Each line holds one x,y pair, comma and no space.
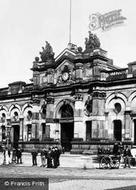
78,99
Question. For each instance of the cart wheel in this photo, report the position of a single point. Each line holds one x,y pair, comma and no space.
115,163
104,162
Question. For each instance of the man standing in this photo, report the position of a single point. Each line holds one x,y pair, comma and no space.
49,158
116,149
19,156
34,157
127,156
54,157
43,157
58,152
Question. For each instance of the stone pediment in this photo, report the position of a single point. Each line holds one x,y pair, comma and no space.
66,53
65,65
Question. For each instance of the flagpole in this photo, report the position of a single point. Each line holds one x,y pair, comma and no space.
70,21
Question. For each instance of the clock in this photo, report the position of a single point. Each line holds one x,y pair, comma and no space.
65,76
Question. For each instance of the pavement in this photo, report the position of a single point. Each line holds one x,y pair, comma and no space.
76,172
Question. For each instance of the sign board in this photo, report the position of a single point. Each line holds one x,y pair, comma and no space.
106,21
24,183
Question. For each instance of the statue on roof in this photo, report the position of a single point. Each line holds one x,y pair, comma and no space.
92,42
47,53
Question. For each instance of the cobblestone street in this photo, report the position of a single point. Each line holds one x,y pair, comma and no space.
72,174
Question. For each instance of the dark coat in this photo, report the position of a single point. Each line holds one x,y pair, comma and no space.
127,152
18,153
34,153
116,149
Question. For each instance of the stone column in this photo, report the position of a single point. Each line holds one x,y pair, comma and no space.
35,121
98,127
57,131
41,131
106,124
96,68
95,129
25,132
49,117
21,128
132,130
0,134
127,124
50,76
79,126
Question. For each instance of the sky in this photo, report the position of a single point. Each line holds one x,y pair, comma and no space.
25,25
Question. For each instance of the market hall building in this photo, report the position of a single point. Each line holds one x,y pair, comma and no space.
79,99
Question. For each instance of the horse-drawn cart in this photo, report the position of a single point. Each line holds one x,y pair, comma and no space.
109,161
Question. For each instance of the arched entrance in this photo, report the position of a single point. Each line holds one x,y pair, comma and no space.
117,130
67,126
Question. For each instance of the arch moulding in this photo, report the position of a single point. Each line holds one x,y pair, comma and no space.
61,103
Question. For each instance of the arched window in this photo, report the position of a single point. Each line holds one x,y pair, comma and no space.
15,116
66,111
3,132
29,115
117,107
3,117
88,105
29,132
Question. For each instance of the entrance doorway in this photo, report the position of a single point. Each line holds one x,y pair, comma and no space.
134,131
67,134
67,125
88,130
16,132
117,130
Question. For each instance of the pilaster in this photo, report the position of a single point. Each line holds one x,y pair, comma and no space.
49,117
79,71
50,76
79,126
127,124
21,128
35,118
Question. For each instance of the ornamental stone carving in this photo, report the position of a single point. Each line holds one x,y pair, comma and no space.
91,43
35,100
78,97
47,54
50,100
88,106
43,108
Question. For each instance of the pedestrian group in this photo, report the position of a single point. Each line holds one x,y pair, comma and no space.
10,157
50,157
